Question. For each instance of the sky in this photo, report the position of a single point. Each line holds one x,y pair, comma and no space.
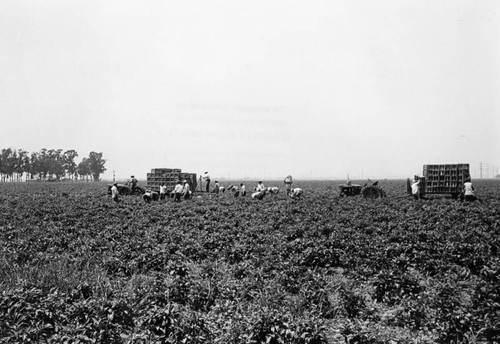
255,89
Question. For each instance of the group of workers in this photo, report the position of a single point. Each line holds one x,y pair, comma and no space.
183,190
260,189
467,194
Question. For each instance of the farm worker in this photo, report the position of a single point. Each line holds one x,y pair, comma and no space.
243,191
259,194
260,186
273,189
206,177
148,196
163,191
415,188
133,182
177,192
288,184
296,193
216,188
186,192
114,192
469,191
155,195
234,189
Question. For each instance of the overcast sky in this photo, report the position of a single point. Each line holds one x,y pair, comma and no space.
260,89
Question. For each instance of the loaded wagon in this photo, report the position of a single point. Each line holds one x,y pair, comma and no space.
169,177
442,179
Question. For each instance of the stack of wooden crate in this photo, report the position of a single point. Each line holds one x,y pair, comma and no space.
443,179
169,177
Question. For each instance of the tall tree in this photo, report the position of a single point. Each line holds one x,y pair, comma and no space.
96,165
43,163
83,168
55,161
20,163
34,163
69,163
5,163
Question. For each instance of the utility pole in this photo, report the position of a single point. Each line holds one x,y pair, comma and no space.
481,170
113,176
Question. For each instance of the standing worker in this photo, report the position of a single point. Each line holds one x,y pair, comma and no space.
206,177
243,191
415,188
177,192
163,191
288,184
468,193
186,192
133,182
115,193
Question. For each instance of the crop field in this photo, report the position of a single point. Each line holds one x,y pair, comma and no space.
76,267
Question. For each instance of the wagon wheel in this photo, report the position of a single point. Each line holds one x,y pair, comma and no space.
373,192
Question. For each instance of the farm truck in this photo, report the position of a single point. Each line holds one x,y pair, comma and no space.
442,179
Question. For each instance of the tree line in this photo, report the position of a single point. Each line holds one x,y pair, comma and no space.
49,164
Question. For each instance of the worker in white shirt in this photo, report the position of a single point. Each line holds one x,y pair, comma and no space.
163,191
206,177
114,192
260,186
415,188
243,191
469,191
296,193
177,191
259,194
186,192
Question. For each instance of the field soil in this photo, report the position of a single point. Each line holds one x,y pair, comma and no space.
76,267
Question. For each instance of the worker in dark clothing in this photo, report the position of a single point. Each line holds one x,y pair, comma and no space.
148,196
133,183
288,184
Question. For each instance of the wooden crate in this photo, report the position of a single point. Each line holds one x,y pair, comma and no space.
169,177
444,179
